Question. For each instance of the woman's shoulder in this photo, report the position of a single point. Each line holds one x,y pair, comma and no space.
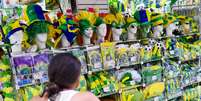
84,96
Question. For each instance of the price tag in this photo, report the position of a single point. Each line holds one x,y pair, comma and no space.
97,65
106,89
156,99
133,58
172,52
132,82
154,78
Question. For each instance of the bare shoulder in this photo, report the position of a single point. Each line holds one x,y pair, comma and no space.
85,96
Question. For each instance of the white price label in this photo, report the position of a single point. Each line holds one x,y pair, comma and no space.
154,78
132,82
134,58
106,89
97,65
156,99
171,52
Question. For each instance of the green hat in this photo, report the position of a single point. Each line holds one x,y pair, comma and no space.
142,17
35,12
156,19
168,19
84,24
37,27
130,21
99,21
117,25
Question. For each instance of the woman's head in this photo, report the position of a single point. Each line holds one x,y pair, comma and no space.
64,71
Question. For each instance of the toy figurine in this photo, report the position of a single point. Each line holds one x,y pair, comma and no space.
157,24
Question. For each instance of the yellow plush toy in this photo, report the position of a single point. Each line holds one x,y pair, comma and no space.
154,89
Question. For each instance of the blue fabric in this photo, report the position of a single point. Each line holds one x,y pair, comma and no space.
143,16
70,36
39,12
11,33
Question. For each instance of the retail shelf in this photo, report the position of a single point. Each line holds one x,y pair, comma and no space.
173,96
107,94
191,83
130,88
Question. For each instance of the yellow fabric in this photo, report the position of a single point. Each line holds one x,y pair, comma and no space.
91,17
154,89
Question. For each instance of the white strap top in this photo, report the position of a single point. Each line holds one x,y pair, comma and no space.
66,95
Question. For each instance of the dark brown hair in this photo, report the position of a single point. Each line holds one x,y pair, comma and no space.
63,71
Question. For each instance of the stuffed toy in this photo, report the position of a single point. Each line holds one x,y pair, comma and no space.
155,89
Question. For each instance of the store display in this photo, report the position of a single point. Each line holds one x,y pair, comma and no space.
138,51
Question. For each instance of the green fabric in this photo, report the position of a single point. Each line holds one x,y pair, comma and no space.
157,19
84,24
31,13
99,21
115,25
138,96
173,2
128,24
37,27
